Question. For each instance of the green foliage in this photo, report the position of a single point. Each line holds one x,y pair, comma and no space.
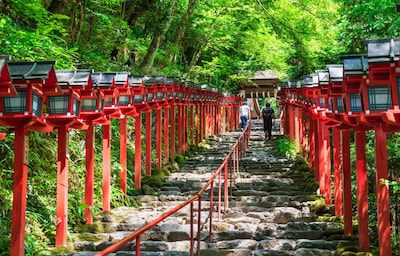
286,148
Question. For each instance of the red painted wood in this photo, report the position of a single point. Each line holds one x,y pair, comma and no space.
106,187
320,167
18,219
197,124
347,195
337,170
311,145
179,128
123,154
291,123
148,143
173,131
89,179
297,129
158,139
327,164
166,134
62,188
382,192
362,192
191,124
138,151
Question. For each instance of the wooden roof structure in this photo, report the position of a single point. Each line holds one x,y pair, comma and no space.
263,84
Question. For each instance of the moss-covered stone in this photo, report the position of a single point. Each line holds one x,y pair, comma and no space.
147,190
318,206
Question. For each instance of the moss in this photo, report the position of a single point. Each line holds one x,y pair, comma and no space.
318,206
147,190
180,159
61,250
329,218
153,180
88,237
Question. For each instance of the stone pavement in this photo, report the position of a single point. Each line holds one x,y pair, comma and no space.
270,209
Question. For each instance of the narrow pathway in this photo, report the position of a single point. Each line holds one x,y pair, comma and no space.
269,211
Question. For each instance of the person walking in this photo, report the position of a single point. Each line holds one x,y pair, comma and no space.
268,114
244,115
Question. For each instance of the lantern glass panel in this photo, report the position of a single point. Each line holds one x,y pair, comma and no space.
174,95
160,95
149,96
89,105
340,104
355,102
180,95
124,100
15,104
58,104
379,98
36,104
75,106
398,88
322,102
137,98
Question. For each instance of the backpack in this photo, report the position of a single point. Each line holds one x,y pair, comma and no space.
267,112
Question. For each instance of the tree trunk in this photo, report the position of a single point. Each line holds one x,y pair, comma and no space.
180,32
135,9
148,60
57,6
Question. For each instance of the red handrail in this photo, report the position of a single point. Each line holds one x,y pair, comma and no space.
237,151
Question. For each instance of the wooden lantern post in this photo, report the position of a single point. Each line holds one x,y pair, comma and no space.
378,98
354,78
106,82
92,103
32,81
335,94
63,113
151,97
139,101
126,106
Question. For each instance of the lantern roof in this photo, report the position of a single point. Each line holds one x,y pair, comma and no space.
335,72
171,81
383,50
309,81
136,80
153,80
109,79
355,64
40,70
6,87
323,77
121,79
80,77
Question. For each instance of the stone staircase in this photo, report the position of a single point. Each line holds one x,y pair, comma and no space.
269,210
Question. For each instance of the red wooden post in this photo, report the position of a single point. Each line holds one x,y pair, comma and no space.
321,158
296,112
18,220
158,138
382,192
337,170
148,143
191,124
138,150
166,134
362,191
106,187
327,165
173,131
123,154
89,178
62,188
197,123
347,195
311,144
291,123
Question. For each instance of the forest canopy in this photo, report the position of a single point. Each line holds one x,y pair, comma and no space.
219,42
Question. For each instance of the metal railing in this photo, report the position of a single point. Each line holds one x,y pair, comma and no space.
228,169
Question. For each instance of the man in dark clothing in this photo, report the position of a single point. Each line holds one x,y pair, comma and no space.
268,115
